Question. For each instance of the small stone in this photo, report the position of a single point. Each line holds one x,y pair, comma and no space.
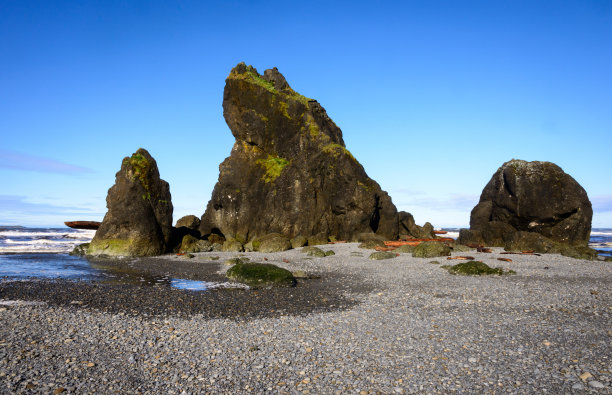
546,343
472,360
586,375
382,255
577,386
91,364
596,384
59,390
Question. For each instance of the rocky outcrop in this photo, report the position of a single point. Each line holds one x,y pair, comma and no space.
530,197
407,227
289,171
188,221
139,217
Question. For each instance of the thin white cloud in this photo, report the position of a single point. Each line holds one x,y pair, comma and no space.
454,202
18,210
21,161
602,203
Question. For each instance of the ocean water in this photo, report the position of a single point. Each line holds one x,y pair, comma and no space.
43,253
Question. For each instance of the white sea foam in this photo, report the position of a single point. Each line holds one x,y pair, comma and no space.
450,234
601,233
71,234
28,240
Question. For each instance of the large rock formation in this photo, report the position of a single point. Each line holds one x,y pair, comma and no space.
139,217
289,171
531,197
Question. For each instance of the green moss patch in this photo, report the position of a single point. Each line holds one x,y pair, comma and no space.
261,275
121,247
336,150
476,268
141,166
380,255
273,166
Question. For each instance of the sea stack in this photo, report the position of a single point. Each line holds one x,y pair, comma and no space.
139,217
289,171
531,205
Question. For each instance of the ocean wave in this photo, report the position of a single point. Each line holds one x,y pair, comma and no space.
51,233
602,233
29,250
38,242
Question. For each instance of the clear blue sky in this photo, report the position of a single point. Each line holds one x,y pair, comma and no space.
432,96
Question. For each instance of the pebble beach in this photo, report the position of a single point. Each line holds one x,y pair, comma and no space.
401,325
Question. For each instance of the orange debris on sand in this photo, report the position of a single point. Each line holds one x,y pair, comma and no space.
414,242
385,248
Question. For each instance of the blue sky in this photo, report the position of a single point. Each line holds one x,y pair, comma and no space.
432,96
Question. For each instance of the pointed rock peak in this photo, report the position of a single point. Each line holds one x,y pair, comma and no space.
272,80
139,217
289,171
265,114
277,79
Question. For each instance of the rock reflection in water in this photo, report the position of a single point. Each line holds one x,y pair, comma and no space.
113,274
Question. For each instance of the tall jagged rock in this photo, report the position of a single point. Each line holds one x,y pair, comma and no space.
139,217
531,197
289,171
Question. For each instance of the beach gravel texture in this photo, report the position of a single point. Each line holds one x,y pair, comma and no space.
392,326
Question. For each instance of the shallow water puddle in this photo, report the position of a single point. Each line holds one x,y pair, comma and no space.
61,266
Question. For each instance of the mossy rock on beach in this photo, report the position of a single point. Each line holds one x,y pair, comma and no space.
123,247
261,275
476,268
272,242
298,241
461,248
318,239
193,244
235,261
371,244
579,252
405,249
431,249
80,250
314,251
380,255
232,246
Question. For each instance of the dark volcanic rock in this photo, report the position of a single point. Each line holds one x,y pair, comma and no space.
407,227
533,197
139,217
188,221
289,171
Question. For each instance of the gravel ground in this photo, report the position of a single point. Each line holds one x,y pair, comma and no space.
402,325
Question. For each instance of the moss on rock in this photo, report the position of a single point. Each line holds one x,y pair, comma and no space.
431,249
232,246
314,251
123,247
476,268
261,275
382,255
191,244
273,242
273,166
